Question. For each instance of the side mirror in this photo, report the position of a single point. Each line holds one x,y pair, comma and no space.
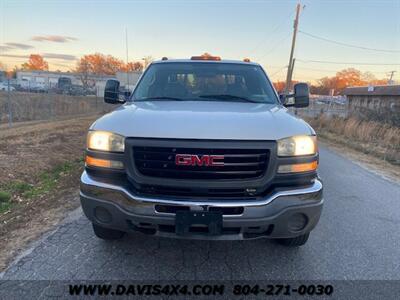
301,95
111,92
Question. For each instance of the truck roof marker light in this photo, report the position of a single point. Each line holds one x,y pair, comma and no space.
246,59
205,56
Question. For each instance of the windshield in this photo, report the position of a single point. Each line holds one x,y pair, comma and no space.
205,82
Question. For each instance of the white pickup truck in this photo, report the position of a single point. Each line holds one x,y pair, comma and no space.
203,148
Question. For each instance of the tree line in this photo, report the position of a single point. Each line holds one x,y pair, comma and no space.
337,83
100,64
96,63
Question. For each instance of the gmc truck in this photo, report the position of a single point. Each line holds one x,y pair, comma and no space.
203,148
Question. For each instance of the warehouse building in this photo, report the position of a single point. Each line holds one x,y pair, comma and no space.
377,98
128,80
47,79
50,79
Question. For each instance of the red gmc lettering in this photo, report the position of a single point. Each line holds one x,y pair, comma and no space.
214,160
183,160
203,161
196,160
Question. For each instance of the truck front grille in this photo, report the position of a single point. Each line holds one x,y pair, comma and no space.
238,163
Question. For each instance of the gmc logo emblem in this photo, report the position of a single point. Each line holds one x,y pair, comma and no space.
196,160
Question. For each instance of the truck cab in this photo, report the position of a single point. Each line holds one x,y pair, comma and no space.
203,148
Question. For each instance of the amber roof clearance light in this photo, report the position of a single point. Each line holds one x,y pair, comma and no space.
205,56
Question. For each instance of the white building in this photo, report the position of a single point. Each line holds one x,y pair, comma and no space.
49,79
46,79
128,80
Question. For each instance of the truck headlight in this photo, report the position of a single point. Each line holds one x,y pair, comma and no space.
298,145
105,141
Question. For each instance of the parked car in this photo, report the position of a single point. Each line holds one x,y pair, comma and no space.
4,87
203,149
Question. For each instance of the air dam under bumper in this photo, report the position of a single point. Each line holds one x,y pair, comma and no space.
282,214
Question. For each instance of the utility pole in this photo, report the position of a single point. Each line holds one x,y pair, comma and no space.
127,60
292,68
10,116
291,61
391,77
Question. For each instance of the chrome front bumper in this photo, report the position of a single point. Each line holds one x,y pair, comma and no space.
266,217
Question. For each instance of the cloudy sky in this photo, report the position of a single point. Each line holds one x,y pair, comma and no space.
333,34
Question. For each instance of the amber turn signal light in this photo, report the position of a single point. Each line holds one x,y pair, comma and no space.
103,163
297,168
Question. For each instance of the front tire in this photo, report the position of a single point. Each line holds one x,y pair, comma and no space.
107,233
294,242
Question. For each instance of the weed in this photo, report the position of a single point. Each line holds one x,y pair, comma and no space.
4,197
5,203
18,187
46,182
5,206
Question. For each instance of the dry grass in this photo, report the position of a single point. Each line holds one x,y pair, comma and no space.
371,137
26,151
40,167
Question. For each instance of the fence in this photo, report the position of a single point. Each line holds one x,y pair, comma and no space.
327,105
20,106
338,106
376,132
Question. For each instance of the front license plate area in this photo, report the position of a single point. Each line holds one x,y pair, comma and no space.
206,223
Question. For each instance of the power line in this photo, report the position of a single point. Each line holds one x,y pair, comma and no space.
330,70
314,69
347,63
272,66
273,74
276,46
268,37
347,45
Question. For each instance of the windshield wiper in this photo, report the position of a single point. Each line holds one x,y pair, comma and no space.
227,97
160,98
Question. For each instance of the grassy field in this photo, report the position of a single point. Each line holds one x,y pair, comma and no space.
40,168
370,137
14,192
34,158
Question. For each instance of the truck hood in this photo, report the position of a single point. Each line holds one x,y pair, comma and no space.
203,120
